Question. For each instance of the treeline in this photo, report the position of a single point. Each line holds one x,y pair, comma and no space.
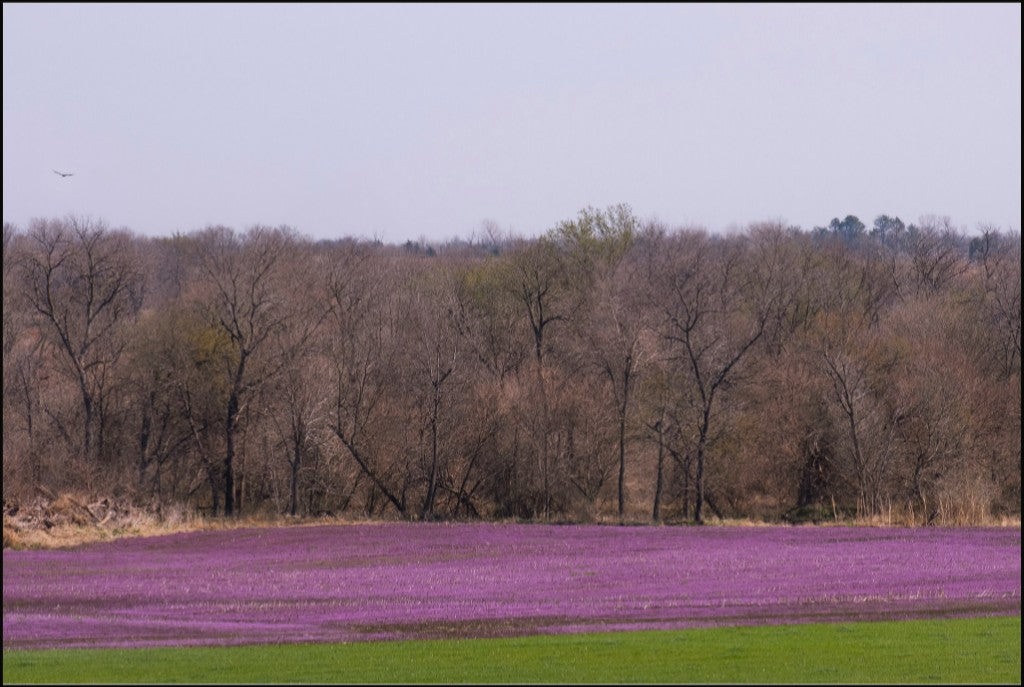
610,369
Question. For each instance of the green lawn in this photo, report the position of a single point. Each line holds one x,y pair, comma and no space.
971,650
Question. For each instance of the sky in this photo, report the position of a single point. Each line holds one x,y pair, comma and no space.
408,122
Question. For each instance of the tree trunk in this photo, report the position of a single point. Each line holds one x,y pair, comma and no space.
229,436
659,482
622,465
229,456
428,501
698,482
294,507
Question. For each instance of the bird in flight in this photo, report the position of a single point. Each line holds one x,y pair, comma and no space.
64,174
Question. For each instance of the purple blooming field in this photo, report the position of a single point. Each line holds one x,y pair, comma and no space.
400,581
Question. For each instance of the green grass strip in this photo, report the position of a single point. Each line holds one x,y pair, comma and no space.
950,651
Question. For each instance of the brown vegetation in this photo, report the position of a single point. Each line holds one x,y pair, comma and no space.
608,371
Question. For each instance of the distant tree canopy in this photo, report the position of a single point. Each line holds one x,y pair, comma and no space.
609,369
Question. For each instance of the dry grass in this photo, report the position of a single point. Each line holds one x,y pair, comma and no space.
76,526
71,523
74,533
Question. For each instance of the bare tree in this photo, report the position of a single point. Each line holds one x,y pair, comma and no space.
615,333
299,413
869,430
84,287
363,333
765,373
245,286
535,277
936,254
609,317
1000,260
717,302
434,379
158,360
487,318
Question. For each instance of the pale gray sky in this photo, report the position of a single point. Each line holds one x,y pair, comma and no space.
402,121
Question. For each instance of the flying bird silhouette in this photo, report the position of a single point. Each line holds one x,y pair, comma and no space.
64,174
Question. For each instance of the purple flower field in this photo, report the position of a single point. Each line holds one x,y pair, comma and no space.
399,581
